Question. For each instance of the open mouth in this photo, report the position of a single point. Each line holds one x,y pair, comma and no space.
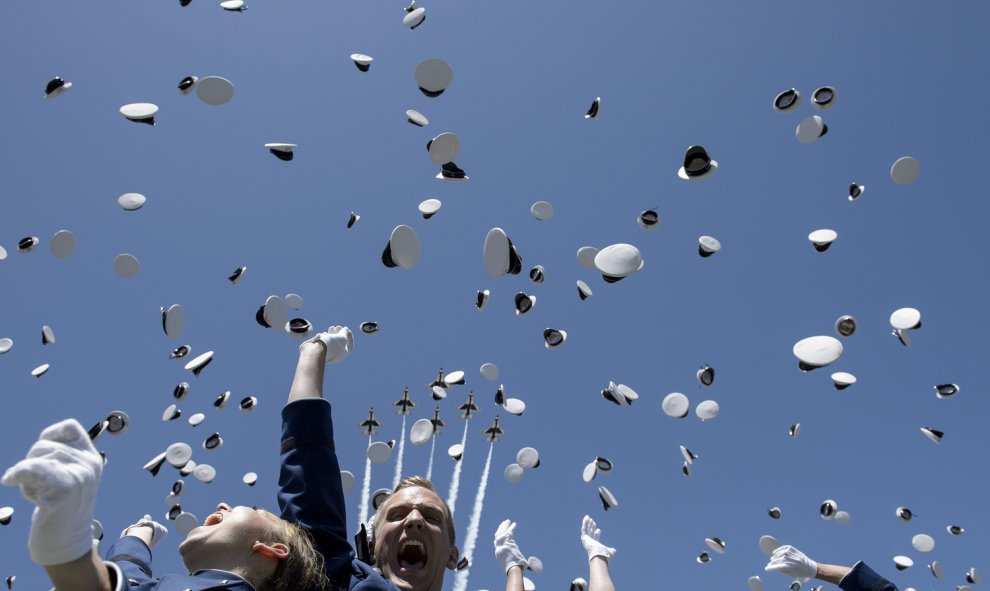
412,555
214,519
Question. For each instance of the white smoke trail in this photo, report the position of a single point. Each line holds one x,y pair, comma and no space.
429,467
460,580
455,481
402,448
365,490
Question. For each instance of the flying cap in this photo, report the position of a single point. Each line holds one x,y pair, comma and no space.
818,351
178,454
842,380
369,327
787,101
579,584
584,292
204,473
649,219
454,378
196,419
3,253
180,391
221,400
56,86
213,442
451,172
716,544
934,434
843,517
553,337
40,370
402,249
379,452
618,261
537,274
417,118
155,464
299,328
905,319
173,319
904,514
704,558
433,76
707,246
380,496
5,345
855,191
676,405
524,303
774,512
534,564
607,498
131,201
822,239
456,451
905,170
236,275
845,326
810,129
293,300
62,244
140,112
592,112
444,147
282,151
6,513
903,562
171,413
706,410
500,254
754,583
514,473
250,478
199,363
27,243
414,16
429,208
528,458
688,455
972,576
827,509
47,335
697,164
586,257
126,265
421,432
923,543
347,480
214,90
352,220
541,210
362,61
186,85
936,569
768,544
438,392
489,371
706,375
481,300
823,98
118,422
186,522
946,390
794,429
514,406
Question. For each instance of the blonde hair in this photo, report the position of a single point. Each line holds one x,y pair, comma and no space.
302,569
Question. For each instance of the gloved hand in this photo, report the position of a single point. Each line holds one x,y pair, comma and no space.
506,551
590,535
158,531
339,341
60,475
790,561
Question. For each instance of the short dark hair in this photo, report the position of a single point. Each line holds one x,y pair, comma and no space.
424,483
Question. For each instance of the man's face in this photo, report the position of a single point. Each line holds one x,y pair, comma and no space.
224,534
412,546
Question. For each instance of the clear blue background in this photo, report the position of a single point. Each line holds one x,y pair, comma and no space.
910,78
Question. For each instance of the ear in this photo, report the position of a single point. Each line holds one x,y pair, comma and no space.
452,560
278,550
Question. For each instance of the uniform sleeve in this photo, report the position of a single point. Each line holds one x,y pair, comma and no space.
864,578
133,557
309,488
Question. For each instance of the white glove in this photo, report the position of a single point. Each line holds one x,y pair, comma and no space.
590,535
506,550
790,561
158,531
60,476
339,341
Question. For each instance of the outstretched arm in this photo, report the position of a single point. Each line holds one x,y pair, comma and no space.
509,556
86,573
790,561
598,556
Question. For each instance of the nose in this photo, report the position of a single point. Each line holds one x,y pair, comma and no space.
414,520
223,507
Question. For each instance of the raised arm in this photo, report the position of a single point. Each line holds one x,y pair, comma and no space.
509,556
309,488
790,561
599,556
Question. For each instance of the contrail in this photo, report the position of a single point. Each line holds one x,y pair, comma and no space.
429,467
455,481
460,580
365,490
398,463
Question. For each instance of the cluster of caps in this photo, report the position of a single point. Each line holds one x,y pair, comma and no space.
829,510
527,458
274,313
716,545
813,127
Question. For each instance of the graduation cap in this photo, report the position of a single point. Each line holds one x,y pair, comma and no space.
599,464
62,244
187,84
234,5
768,544
828,508
379,452
818,351
293,300
541,210
706,410
946,390
903,562
586,257
619,394
456,452
56,86
936,569
199,363
272,313
904,514
433,76
462,563
481,300
524,303
6,513
754,583
196,419
173,319
417,118
5,345
347,480
688,455
923,543
117,422
27,243
282,151
96,430
214,90
842,380
421,432
584,292
47,335
179,352
618,261
362,61
204,473
454,378
954,530
489,371
178,454
855,191
221,400
787,100
972,576
500,254
905,170
810,129
707,246
822,239
451,172
379,497
402,249
180,391
593,109
553,337
140,112
676,405
537,274
443,148
131,201
247,404
429,208
171,413
703,558
514,473
823,98
845,326
934,434
579,584
649,219
352,220
40,370
697,164
369,327
842,517
126,265
716,544
528,458
414,16
250,479
607,498
299,327
213,442
774,512
706,375
794,429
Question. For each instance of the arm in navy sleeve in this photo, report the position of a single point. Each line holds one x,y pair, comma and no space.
133,557
864,578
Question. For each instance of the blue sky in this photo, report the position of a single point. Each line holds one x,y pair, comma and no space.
908,77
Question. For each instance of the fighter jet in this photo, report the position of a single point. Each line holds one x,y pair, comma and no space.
468,407
370,424
492,433
437,421
405,404
439,381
